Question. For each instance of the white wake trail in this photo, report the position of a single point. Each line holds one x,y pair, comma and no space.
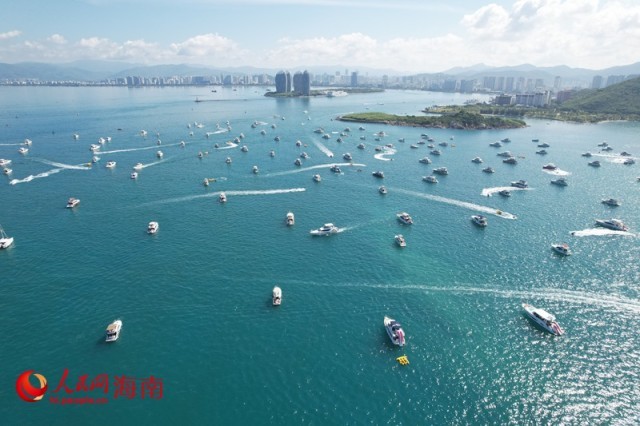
596,232
38,176
323,148
488,192
387,151
115,151
228,193
62,165
319,166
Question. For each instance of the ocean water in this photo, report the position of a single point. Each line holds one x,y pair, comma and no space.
195,298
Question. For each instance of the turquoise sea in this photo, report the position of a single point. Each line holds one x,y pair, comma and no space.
195,299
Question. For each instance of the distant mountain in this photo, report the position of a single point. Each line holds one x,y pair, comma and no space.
622,98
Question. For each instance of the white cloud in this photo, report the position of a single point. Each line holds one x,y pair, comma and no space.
57,39
9,34
211,48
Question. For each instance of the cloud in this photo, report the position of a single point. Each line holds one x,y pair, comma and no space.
57,39
9,34
209,48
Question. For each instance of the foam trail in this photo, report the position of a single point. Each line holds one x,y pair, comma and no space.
216,194
319,166
115,151
63,166
229,146
11,144
324,149
144,166
38,176
596,232
217,132
488,192
464,204
381,155
557,172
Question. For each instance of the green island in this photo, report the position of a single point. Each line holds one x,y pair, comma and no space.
460,118
323,92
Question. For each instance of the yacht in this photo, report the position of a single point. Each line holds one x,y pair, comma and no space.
425,160
594,163
510,160
505,193
72,202
263,132
113,331
550,166
562,249
543,318
255,169
444,144
480,220
95,159
488,170
614,224
405,218
587,154
495,144
138,166
378,174
298,142
28,142
304,155
394,330
560,181
152,228
441,171
436,152
361,146
23,150
277,139
159,154
276,296
400,240
222,197
317,178
228,160
110,164
335,169
506,140
629,161
94,147
430,179
7,171
326,229
477,160
625,154
505,154
5,240
272,153
347,157
544,145
607,148
326,136
382,190
134,175
520,184
4,162
244,148
611,202
297,162
603,144
290,219
542,152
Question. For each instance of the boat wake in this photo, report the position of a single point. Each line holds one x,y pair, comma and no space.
382,155
144,148
319,166
557,172
488,192
217,132
62,165
38,176
324,149
228,193
464,204
144,166
230,145
596,232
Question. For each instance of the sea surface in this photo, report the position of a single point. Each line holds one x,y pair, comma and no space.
195,298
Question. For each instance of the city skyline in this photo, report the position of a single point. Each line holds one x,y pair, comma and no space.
408,36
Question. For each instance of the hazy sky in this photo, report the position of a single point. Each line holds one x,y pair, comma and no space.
405,35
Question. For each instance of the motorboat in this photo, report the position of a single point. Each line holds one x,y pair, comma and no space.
505,193
425,160
244,148
542,152
72,202
159,154
382,190
436,152
535,140
560,181
603,144
228,160
625,154
614,224
488,170
400,240
594,163
505,154
607,148
378,174
395,331
255,170
263,132
326,136
317,178
110,164
304,155
495,144
5,240
7,171
326,229
361,146
510,160
444,144
297,162
629,161
152,228
28,142
477,160
23,150
4,162
222,197
543,318
134,175
430,179
95,159
611,202
480,220
276,296
94,147
544,145
298,142
506,140
550,166
441,171
520,184
200,154
138,166
404,218
562,249
347,157
290,219
360,128
113,331
272,153
586,154
277,139
335,169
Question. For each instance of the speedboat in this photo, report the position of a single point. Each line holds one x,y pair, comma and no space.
134,175
95,159
110,164
400,240
625,154
436,152
405,218
255,170
488,170
361,146
430,179
562,249
4,162
222,197
594,163
23,150
543,318
326,229
276,296
228,160
152,228
382,190
587,154
159,154
5,240
72,202
544,145
272,153
505,154
244,148
317,178
550,166
614,224
505,193
7,171
506,140
290,219
480,220
138,166
477,160
395,331
510,160
94,147
335,169
425,160
297,162
495,144
611,202
347,157
560,181
304,155
378,174
629,161
113,331
441,171
520,184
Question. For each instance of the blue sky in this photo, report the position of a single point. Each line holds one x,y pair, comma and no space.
405,35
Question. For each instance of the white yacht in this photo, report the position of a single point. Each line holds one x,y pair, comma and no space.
110,164
382,190
404,218
505,193
425,160
395,331
326,229
560,181
629,161
505,154
244,148
510,160
228,160
138,166
276,296
594,163
520,184
290,219
134,175
611,202
94,147
441,171
562,249
543,318
586,154
159,154
152,228
222,197
7,171
400,240
317,178
113,331
255,170
4,162
95,159
378,174
5,240
477,160
23,150
480,220
488,170
430,179
335,169
347,157
495,144
72,202
614,224
297,162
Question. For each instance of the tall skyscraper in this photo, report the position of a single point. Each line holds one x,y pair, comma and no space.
597,82
283,82
354,79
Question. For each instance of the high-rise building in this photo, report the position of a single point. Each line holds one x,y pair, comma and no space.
614,79
306,83
557,83
354,79
283,82
596,83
